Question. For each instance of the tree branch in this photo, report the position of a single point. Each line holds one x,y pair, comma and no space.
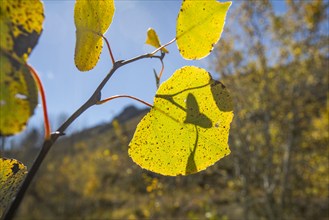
47,144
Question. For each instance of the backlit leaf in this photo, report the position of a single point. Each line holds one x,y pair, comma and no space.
12,173
187,129
21,26
199,26
153,40
92,19
18,95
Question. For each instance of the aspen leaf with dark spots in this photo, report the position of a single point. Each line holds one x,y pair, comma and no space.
187,129
12,173
21,25
18,95
92,19
199,26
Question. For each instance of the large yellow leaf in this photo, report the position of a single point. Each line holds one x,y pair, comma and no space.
199,26
187,129
92,19
12,173
21,26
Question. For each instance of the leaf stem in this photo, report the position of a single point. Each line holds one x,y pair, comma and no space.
161,71
124,96
109,47
43,100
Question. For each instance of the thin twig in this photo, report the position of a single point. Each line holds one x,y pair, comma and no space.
161,71
170,42
124,96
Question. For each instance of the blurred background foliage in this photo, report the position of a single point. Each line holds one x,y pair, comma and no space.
276,68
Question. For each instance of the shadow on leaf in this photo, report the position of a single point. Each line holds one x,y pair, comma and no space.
221,96
191,166
193,114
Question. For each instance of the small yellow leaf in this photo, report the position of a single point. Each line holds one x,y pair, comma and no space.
12,173
187,129
153,40
92,19
199,26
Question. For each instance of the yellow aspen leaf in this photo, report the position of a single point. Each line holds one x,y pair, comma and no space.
21,26
92,19
153,40
199,26
12,173
18,95
187,129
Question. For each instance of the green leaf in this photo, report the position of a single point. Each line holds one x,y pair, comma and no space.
187,129
199,26
21,26
92,19
153,40
12,173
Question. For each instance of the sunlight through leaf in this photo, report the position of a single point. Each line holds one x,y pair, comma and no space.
187,129
199,26
92,19
21,26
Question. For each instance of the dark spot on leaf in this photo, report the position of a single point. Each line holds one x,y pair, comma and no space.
15,168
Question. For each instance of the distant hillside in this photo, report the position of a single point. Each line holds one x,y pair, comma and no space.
130,113
89,175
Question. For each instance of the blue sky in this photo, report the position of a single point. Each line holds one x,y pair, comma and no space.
67,88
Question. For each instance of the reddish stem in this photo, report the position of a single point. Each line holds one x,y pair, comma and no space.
43,100
124,96
109,47
161,71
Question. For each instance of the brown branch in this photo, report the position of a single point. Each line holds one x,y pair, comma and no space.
48,143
